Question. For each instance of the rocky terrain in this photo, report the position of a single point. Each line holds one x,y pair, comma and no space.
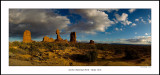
59,52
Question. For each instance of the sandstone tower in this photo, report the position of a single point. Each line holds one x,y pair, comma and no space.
58,35
91,42
27,36
73,37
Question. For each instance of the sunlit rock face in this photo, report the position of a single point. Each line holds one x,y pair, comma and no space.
73,37
47,39
58,35
27,36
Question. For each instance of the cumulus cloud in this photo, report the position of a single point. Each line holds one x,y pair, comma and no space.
131,10
123,19
95,21
149,21
108,10
107,33
137,40
146,33
133,24
40,22
137,19
140,19
116,29
120,29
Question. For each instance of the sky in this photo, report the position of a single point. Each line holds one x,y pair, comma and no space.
126,26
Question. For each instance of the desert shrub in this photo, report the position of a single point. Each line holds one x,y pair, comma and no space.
89,56
85,46
92,56
38,44
131,54
24,47
17,51
16,43
33,50
118,51
101,46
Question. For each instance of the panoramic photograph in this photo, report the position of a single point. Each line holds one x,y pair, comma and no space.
80,37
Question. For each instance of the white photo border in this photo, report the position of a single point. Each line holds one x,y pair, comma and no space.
6,69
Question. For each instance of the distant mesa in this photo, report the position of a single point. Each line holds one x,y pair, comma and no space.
73,37
27,36
47,39
91,42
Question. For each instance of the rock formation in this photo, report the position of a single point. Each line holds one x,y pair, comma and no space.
47,39
27,36
52,40
73,37
58,35
91,42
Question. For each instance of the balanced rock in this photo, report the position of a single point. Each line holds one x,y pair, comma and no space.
47,39
91,42
27,36
73,37
58,35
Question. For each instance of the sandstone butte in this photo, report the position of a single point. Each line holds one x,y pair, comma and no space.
27,36
73,37
91,42
58,35
47,39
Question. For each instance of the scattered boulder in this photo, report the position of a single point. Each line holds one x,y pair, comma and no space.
73,37
27,36
91,42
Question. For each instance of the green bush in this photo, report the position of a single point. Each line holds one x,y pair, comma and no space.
92,56
17,51
16,43
131,54
33,50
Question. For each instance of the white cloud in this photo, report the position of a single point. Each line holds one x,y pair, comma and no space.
132,10
95,20
142,20
146,33
133,24
136,40
116,29
136,19
107,33
108,10
149,21
40,22
126,22
120,29
123,19
115,21
135,33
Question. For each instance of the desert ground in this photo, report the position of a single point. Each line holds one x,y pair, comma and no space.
78,54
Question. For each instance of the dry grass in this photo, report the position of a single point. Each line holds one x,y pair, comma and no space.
79,54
